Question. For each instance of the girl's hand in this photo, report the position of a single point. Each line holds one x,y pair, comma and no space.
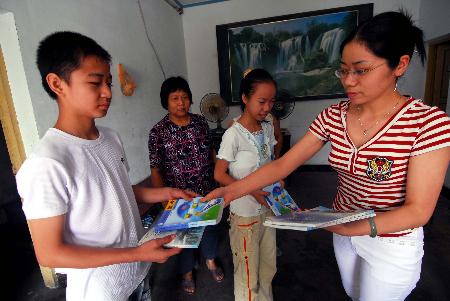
259,196
282,183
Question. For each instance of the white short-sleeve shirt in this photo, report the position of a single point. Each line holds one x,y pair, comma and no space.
245,155
87,181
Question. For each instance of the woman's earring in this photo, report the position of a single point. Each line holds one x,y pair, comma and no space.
396,84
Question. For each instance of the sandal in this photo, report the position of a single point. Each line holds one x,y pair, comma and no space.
217,274
188,286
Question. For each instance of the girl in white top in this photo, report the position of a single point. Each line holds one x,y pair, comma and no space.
247,145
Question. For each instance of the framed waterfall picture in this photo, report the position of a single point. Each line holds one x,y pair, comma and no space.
301,51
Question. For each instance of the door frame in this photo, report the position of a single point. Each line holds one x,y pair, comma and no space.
433,45
9,121
10,52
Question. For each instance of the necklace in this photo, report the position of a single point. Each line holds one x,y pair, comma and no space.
263,148
366,129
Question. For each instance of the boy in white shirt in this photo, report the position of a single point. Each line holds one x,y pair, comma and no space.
77,197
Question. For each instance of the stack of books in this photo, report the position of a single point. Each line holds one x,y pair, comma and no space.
186,239
186,219
316,218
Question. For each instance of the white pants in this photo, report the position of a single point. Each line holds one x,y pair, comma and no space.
380,268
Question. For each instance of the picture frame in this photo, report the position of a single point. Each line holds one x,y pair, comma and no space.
300,51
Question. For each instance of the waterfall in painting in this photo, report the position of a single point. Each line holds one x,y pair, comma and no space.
249,55
330,43
292,53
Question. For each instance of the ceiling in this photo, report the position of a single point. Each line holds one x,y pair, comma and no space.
179,5
191,3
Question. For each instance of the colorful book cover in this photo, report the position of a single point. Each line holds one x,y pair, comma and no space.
316,218
182,214
185,239
279,200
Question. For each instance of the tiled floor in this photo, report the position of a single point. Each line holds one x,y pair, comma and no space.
307,269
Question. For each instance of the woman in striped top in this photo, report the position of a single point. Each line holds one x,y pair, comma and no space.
391,153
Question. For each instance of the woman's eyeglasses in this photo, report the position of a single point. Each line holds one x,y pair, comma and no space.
357,73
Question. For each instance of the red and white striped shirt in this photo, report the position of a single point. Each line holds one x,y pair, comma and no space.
373,176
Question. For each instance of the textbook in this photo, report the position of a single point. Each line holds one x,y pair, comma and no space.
185,239
315,218
182,214
279,200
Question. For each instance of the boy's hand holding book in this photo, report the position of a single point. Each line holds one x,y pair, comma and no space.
175,193
154,250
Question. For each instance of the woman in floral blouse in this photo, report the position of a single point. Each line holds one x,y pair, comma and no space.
181,156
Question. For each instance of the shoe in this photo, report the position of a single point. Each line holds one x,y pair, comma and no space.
217,274
188,286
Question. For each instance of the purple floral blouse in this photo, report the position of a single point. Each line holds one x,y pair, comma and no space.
183,154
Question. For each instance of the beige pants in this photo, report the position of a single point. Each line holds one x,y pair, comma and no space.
254,256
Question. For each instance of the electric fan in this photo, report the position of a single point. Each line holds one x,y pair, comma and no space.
284,104
214,108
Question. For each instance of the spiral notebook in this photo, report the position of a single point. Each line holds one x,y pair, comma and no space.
315,218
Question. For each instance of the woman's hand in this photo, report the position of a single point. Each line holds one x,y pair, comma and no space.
338,229
356,228
228,196
220,192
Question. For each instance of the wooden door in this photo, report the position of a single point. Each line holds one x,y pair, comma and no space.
442,75
438,73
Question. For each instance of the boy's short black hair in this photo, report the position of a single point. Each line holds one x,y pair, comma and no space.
173,84
62,52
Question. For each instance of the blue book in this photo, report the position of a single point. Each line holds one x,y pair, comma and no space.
279,200
183,214
185,239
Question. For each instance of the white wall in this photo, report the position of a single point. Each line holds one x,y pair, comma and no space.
199,24
434,18
186,46
117,26
435,23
